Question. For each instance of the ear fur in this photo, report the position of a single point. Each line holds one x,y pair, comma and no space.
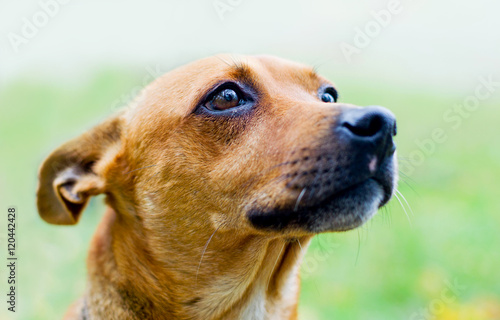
67,180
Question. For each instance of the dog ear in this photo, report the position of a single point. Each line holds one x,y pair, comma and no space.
67,178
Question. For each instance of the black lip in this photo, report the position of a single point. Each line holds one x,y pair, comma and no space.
327,201
338,212
387,191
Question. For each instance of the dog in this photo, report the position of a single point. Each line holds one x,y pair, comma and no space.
216,178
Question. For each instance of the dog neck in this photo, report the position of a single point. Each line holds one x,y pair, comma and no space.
248,278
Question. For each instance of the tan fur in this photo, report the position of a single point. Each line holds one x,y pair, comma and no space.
174,180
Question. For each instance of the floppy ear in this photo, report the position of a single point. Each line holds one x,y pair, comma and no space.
67,178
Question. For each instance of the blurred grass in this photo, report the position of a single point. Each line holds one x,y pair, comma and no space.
389,269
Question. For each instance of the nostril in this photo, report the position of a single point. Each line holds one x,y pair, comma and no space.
366,126
370,130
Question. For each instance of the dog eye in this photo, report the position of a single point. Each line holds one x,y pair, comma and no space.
223,100
329,95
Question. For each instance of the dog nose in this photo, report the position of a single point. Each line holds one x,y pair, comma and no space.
372,126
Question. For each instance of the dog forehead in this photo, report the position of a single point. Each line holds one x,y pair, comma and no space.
264,69
176,93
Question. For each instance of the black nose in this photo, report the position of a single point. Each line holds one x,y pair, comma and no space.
371,126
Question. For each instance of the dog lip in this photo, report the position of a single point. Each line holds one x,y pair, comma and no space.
385,187
387,191
341,211
382,176
353,187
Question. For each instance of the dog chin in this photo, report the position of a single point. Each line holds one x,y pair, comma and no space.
343,211
348,209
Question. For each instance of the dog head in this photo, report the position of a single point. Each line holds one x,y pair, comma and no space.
260,145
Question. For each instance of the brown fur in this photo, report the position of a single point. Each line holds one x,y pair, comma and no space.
174,243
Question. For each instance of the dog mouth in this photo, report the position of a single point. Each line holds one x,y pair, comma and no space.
340,209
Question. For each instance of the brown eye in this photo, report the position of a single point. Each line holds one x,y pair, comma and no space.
225,99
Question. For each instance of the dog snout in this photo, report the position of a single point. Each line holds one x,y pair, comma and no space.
371,128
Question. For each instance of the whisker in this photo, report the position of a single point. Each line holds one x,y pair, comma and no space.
409,207
153,176
237,63
299,198
203,253
388,210
275,263
298,241
406,176
406,179
386,215
153,165
225,61
318,65
404,209
410,186
359,249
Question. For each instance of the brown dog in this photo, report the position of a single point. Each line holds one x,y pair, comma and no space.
216,179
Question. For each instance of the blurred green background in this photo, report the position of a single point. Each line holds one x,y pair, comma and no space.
88,61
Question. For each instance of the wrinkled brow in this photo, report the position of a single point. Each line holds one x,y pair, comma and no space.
313,73
242,72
